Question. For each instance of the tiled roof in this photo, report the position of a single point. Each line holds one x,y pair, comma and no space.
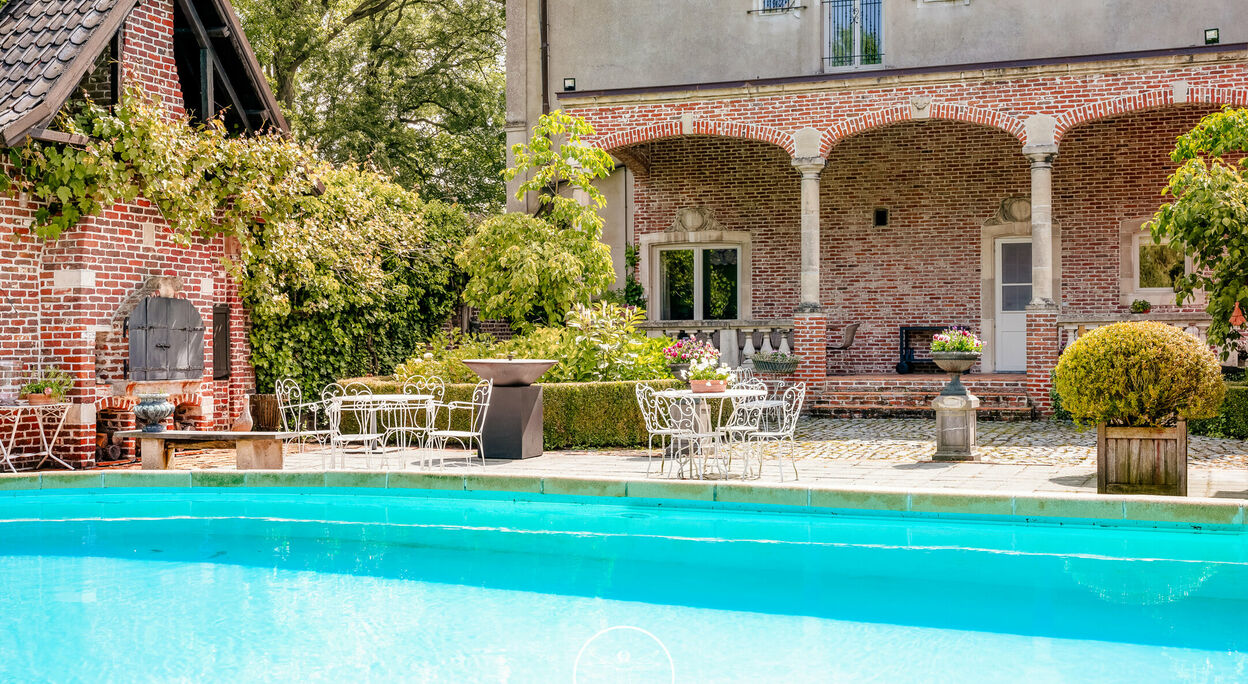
40,41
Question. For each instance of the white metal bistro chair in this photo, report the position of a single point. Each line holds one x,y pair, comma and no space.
407,425
351,421
780,441
696,444
656,412
472,420
299,416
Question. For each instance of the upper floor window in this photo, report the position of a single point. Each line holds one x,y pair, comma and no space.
854,33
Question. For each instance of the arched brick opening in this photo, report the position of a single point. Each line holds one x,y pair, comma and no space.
939,181
1207,97
1107,182
935,111
695,127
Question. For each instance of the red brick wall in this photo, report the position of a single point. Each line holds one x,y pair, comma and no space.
78,329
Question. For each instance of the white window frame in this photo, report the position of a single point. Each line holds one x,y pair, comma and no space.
1133,235
654,243
856,22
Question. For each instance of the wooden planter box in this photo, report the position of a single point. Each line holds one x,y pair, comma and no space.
1141,460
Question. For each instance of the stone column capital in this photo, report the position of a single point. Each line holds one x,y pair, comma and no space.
1040,154
809,167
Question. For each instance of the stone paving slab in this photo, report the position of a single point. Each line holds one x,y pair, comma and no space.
1039,457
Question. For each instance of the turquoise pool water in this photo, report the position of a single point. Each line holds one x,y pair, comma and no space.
283,585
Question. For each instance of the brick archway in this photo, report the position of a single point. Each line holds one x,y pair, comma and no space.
1150,99
693,126
934,110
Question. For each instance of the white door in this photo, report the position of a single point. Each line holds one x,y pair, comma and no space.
1013,295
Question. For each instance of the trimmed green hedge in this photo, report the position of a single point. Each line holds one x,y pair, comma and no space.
1232,418
577,415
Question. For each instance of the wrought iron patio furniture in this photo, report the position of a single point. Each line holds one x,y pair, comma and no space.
299,416
473,419
656,412
781,440
351,422
696,443
45,416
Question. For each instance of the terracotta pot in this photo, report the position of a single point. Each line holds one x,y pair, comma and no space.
704,386
40,399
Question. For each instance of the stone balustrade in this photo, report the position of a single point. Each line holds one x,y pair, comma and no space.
1197,324
737,341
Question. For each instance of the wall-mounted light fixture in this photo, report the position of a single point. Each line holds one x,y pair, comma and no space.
569,85
1211,36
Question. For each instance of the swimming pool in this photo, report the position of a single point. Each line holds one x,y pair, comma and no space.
285,584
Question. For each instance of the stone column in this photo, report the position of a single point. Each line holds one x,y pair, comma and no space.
810,167
1042,345
810,325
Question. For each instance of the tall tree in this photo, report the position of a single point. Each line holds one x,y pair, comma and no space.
414,87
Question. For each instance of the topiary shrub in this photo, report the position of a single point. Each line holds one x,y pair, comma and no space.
1139,373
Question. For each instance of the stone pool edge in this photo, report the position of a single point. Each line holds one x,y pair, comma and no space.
1189,510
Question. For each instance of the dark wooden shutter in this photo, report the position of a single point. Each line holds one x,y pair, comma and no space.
166,340
221,341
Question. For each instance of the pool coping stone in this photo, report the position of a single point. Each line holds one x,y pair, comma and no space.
963,502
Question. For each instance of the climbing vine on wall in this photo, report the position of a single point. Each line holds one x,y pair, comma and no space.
342,271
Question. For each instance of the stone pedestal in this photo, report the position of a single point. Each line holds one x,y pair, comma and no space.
955,427
513,424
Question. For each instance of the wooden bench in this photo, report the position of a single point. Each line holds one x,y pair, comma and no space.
253,450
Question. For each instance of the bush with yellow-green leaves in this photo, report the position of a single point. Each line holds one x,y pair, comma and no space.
1139,373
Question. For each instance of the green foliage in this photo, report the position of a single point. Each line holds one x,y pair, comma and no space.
531,269
1208,218
203,181
415,89
1232,418
1141,306
360,278
599,344
1139,373
632,294
54,379
576,415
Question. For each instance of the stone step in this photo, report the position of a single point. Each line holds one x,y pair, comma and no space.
877,411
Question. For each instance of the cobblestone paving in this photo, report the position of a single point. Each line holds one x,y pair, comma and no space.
1037,442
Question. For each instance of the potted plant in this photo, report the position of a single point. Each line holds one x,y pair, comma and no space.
685,351
708,375
775,363
1139,382
955,350
51,387
1141,306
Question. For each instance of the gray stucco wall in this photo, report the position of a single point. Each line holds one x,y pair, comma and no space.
634,43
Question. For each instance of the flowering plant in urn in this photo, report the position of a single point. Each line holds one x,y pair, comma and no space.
955,350
708,375
957,340
681,353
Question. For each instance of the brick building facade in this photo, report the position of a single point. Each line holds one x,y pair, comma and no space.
891,199
67,301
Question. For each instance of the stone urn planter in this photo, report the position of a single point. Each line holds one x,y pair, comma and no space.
956,422
775,367
706,386
1141,460
955,364
152,410
678,370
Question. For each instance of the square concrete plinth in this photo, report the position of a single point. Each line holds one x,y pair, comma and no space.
955,427
513,424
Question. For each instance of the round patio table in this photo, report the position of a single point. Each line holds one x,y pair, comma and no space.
373,403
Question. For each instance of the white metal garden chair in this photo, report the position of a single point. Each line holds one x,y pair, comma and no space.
299,416
407,425
471,418
656,412
779,441
696,444
351,421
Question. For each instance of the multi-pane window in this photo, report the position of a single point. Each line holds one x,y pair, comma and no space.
1158,266
699,283
853,31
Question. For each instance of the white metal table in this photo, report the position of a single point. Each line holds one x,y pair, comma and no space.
372,404
45,415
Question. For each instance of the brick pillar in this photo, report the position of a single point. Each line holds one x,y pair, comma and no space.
1042,352
810,342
